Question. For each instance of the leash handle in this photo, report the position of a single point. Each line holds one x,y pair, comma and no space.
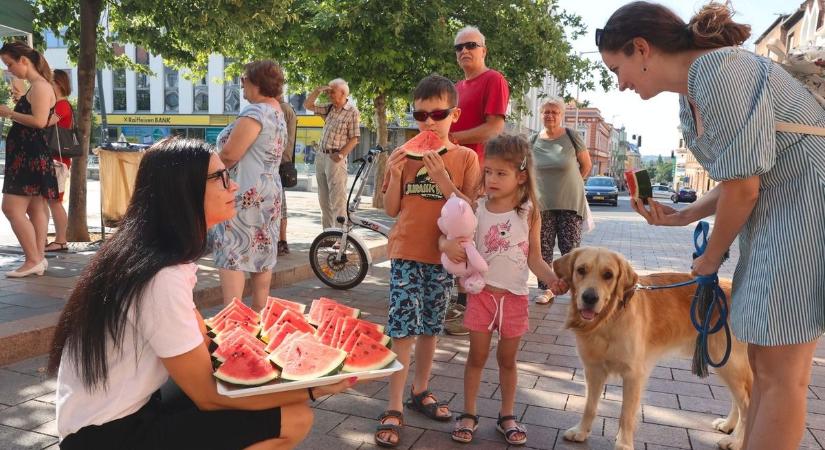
701,232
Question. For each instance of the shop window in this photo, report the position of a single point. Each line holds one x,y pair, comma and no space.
231,92
170,89
119,90
142,92
201,96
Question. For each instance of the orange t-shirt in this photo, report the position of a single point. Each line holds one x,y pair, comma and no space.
415,234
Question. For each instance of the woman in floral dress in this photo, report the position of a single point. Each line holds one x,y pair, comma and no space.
251,147
29,174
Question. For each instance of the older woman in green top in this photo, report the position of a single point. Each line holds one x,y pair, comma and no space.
562,161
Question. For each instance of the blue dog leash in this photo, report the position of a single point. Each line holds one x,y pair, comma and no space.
702,308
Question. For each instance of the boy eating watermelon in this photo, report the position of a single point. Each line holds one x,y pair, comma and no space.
418,181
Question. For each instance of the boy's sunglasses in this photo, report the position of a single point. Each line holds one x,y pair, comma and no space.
468,45
223,174
437,115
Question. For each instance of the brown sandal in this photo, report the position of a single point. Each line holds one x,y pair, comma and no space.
61,246
416,403
394,429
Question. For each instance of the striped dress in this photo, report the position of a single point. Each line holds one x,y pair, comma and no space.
779,282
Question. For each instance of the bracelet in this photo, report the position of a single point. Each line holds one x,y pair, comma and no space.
309,391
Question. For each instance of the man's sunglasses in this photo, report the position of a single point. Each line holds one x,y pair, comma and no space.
223,174
437,115
468,45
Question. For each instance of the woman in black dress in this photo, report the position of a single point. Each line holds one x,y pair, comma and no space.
29,176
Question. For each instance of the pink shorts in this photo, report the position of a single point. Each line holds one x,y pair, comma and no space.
488,311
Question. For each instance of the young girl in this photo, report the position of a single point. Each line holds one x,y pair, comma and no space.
508,236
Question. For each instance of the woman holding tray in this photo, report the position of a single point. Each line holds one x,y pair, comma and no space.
131,323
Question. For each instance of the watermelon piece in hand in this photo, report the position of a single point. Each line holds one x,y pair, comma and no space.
368,354
424,142
246,368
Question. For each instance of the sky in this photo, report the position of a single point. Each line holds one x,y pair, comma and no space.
657,119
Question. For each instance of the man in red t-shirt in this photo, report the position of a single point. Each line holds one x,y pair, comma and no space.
483,94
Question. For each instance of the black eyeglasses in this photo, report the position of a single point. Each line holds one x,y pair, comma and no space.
468,45
223,174
437,115
599,36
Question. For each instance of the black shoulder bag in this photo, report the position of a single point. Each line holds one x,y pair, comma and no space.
64,141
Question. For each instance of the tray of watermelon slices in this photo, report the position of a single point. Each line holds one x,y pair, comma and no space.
283,348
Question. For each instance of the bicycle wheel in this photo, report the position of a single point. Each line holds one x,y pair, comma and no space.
345,273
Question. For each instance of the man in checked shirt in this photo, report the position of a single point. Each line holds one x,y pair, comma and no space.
338,138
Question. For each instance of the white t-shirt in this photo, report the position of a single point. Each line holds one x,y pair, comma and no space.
167,327
503,239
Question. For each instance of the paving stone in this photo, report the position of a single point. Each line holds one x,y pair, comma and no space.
664,400
485,407
16,439
33,366
49,428
355,405
592,443
538,397
562,386
705,405
358,429
678,418
326,420
31,301
651,433
565,361
562,420
606,408
553,349
483,439
456,385
367,388
539,437
815,421
27,415
546,370
686,375
321,441
17,388
678,387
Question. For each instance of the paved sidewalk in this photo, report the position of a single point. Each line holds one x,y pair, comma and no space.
677,408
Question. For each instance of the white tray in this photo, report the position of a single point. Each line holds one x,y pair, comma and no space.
282,385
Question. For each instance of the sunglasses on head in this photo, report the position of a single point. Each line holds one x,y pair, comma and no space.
599,36
437,115
223,174
468,45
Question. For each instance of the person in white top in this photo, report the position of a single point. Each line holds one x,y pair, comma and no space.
508,238
131,323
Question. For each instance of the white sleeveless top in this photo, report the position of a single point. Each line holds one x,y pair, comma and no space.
503,240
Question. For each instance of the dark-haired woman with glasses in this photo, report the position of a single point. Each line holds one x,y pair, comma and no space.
744,118
130,324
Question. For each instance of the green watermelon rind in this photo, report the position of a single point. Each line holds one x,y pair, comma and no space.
248,382
333,371
420,156
348,368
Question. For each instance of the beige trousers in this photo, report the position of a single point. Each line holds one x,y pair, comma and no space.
332,188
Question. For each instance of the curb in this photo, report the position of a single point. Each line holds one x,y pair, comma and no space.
32,336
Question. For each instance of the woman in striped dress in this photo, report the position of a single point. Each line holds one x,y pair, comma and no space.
771,190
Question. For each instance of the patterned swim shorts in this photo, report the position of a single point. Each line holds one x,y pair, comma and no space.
418,298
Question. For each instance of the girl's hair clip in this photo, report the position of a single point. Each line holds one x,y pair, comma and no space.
523,165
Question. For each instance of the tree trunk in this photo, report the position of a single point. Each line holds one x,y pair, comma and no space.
380,104
78,230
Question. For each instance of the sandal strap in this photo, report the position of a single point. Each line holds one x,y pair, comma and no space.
502,419
467,416
388,427
392,413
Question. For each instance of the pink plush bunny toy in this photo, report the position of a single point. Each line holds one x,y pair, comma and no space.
458,221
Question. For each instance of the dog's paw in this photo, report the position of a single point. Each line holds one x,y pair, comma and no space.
730,443
576,434
723,424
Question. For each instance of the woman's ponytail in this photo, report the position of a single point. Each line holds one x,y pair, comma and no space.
713,27
17,50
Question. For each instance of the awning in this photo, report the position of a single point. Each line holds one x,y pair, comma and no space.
16,18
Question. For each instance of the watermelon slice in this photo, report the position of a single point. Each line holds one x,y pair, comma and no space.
296,319
246,368
368,354
238,335
275,307
227,325
278,337
362,329
223,352
322,305
308,360
638,183
423,142
349,324
279,356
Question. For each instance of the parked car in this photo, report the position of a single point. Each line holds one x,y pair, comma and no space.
686,195
601,190
662,191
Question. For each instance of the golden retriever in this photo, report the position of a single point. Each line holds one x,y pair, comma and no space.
624,331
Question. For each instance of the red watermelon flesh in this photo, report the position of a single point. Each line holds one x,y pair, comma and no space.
317,308
251,327
211,321
423,142
278,335
295,319
308,360
247,310
242,336
327,327
279,355
362,329
368,354
246,368
295,306
275,307
225,336
336,334
227,349
236,314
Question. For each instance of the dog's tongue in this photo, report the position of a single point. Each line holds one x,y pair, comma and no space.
587,314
